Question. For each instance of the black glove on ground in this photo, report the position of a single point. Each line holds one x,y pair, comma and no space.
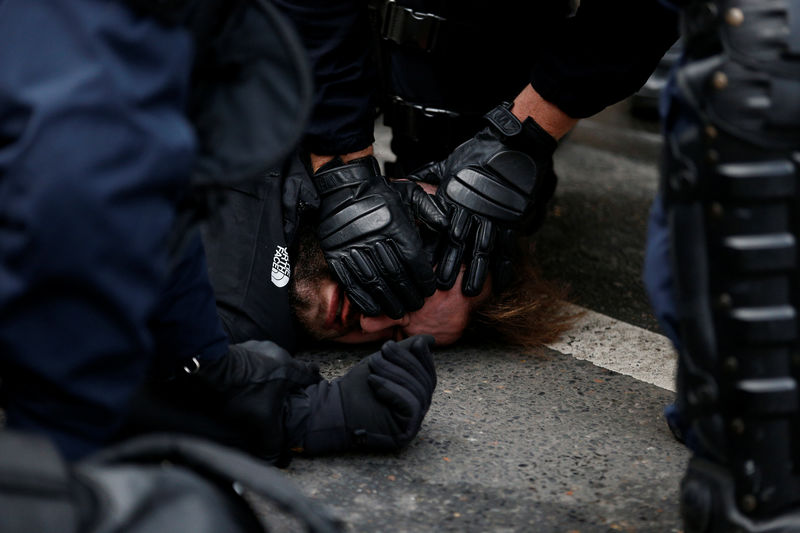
494,186
369,238
378,405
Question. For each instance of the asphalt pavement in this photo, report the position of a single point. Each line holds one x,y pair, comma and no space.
563,438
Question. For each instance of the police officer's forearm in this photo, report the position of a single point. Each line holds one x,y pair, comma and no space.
318,160
337,37
530,103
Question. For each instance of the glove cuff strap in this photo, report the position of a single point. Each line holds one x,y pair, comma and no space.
504,120
527,132
346,174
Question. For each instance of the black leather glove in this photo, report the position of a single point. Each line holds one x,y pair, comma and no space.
494,186
369,238
378,405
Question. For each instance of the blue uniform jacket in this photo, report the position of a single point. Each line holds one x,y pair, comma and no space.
103,122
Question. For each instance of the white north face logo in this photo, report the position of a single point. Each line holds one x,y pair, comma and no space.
280,267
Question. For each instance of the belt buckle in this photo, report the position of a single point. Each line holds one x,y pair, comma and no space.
405,26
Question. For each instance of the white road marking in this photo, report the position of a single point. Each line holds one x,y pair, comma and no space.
621,347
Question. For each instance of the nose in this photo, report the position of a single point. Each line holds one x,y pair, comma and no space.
372,324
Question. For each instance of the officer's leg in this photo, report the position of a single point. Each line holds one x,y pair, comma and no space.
414,42
731,192
94,149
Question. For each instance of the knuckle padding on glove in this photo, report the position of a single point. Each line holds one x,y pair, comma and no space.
477,269
452,252
345,271
365,269
358,295
397,279
475,277
341,272
461,224
364,217
388,261
449,267
361,266
394,269
346,175
483,194
484,237
516,167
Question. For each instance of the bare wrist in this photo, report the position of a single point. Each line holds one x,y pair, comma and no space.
529,103
318,160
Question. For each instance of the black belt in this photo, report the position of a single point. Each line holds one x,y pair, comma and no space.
421,123
419,30
407,27
428,31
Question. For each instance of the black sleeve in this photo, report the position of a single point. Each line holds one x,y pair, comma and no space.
248,263
337,38
603,54
181,405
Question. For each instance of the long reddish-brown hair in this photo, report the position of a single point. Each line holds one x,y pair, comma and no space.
530,312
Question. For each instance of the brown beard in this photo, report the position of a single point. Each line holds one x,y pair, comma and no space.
310,273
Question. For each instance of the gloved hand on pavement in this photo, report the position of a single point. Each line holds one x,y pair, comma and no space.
378,405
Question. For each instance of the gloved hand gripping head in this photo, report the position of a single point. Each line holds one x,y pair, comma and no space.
369,239
502,170
494,186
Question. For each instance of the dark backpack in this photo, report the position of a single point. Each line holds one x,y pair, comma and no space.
153,484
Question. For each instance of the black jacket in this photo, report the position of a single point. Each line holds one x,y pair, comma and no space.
247,246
